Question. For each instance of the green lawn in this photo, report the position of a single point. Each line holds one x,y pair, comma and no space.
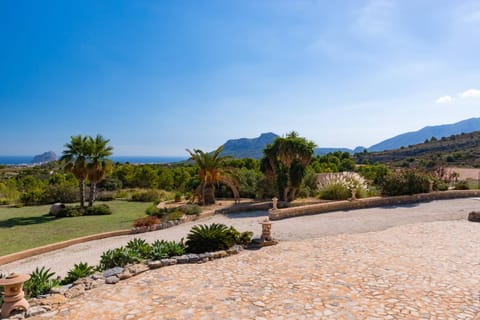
30,227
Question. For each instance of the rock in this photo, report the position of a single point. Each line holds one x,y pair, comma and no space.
125,275
474,216
181,259
155,264
137,268
112,280
192,257
60,290
112,272
17,315
75,291
56,208
90,282
235,249
35,311
168,262
97,275
204,257
50,300
219,254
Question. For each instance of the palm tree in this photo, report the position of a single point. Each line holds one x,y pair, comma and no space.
98,166
284,163
75,157
211,170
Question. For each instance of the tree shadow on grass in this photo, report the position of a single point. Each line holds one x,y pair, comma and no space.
25,221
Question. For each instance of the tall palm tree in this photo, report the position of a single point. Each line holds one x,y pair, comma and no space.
284,163
99,166
75,157
211,170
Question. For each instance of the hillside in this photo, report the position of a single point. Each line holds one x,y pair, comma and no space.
460,149
248,148
415,137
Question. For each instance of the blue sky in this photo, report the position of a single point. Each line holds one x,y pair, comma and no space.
157,77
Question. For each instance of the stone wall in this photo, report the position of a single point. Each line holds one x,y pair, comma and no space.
369,203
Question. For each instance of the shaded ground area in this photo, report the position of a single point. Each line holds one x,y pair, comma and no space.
307,227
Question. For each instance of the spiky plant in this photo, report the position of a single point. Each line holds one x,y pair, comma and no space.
164,249
78,271
140,247
205,238
40,282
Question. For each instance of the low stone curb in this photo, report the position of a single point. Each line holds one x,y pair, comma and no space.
279,214
59,296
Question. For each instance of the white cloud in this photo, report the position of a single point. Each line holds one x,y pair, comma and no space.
469,93
444,99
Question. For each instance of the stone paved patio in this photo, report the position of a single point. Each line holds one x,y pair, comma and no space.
420,271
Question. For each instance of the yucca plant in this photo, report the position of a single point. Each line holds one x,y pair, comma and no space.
164,249
140,247
40,282
205,238
78,271
118,257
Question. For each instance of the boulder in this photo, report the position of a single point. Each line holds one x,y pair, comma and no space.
56,208
137,268
155,264
112,272
474,216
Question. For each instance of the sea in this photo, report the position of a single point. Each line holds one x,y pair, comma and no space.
27,160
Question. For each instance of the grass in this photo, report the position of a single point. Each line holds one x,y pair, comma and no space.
30,227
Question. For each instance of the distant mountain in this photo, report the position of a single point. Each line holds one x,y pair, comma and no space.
456,150
324,151
248,148
48,156
411,138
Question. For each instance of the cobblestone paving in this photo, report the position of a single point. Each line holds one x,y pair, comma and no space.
421,271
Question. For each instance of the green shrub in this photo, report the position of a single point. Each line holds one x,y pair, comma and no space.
146,196
60,193
139,247
191,209
335,191
72,211
154,211
99,210
462,185
118,257
439,185
40,282
165,249
174,215
146,221
78,271
406,182
178,196
31,197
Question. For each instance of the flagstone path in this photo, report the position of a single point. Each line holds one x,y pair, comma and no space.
428,270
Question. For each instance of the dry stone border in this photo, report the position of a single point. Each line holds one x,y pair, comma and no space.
59,295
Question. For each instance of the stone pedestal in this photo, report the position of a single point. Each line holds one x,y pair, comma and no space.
13,295
274,203
266,230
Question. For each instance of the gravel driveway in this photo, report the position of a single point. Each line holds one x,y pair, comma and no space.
300,228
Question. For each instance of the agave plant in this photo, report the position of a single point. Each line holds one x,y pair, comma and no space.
118,257
140,247
205,238
164,249
40,282
78,271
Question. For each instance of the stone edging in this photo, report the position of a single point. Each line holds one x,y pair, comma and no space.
58,296
279,214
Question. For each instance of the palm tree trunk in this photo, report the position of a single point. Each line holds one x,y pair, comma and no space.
82,194
93,191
